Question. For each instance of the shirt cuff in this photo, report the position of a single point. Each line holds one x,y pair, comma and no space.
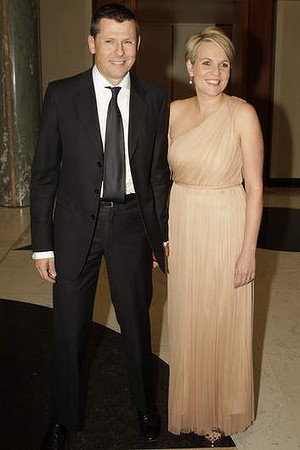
43,255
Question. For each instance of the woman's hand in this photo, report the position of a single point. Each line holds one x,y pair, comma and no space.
244,269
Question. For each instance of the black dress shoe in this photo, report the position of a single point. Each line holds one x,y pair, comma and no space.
55,438
149,425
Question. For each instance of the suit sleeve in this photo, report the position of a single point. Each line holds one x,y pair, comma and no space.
44,175
160,175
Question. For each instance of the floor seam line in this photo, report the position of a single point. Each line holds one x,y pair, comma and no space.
15,243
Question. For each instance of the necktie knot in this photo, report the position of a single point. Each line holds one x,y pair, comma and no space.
114,91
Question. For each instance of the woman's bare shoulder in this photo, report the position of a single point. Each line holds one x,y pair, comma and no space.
178,107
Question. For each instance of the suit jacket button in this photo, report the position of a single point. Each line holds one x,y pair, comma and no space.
93,217
97,192
99,164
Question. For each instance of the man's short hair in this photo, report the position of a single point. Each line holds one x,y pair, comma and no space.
114,11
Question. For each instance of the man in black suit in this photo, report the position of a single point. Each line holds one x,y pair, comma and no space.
75,221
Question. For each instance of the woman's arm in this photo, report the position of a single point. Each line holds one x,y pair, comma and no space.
249,130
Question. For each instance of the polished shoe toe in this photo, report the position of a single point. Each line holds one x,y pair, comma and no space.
55,438
149,425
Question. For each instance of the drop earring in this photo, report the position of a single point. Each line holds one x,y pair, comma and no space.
191,80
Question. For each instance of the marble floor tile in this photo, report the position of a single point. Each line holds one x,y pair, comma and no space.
23,284
276,321
275,426
13,221
104,312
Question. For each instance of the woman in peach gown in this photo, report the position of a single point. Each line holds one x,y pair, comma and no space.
216,159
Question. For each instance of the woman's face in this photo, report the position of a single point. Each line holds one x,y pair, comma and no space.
211,70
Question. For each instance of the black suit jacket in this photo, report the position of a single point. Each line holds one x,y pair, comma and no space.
67,168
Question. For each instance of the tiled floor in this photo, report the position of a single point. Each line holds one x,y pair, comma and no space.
276,333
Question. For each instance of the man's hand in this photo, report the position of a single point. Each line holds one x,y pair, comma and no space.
46,269
155,263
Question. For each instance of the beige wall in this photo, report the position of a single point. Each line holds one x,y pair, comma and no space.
285,158
64,26
165,27
171,71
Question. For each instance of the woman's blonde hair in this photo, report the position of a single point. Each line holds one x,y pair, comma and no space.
209,34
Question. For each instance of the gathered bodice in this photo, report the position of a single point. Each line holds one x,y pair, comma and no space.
210,154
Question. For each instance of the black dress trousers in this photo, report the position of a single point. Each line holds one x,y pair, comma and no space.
120,237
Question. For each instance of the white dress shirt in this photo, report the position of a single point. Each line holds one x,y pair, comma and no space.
103,96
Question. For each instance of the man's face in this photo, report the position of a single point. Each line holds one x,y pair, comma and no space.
115,48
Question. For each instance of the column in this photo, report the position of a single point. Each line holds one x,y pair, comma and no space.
19,98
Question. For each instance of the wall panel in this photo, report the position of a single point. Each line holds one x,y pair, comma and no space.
285,156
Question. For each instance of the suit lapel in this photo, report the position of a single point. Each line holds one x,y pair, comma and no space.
87,110
137,111
88,114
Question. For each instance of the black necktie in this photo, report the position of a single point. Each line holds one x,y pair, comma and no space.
114,154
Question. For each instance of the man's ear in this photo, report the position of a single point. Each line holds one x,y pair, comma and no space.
91,44
138,43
